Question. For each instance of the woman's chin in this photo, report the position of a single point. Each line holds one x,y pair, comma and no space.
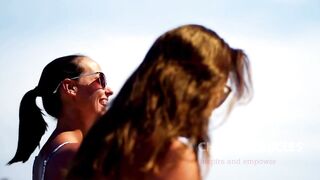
102,110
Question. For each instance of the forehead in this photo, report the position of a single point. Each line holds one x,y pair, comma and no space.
88,65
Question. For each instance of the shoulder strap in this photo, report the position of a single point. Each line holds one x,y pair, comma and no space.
45,162
185,141
200,156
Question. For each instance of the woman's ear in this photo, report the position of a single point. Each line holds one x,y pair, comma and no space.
69,87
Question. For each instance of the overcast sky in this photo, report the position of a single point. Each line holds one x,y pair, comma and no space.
278,130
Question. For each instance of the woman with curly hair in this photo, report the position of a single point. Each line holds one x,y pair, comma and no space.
162,112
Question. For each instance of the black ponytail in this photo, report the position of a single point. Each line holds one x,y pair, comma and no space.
31,127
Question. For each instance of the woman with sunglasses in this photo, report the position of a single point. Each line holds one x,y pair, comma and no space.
73,90
161,114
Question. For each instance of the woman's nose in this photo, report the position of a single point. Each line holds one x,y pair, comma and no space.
108,91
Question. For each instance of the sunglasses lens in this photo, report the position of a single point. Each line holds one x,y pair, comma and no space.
102,79
226,92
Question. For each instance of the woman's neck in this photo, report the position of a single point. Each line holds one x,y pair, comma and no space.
73,120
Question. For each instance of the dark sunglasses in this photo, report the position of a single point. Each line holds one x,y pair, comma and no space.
101,78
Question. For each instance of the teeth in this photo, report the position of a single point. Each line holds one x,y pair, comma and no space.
104,102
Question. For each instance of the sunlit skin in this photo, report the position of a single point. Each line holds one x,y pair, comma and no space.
91,100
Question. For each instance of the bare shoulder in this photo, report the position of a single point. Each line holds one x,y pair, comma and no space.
59,163
180,163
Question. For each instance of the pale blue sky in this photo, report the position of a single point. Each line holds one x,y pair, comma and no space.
281,38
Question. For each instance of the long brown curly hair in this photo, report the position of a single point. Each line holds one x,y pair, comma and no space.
171,94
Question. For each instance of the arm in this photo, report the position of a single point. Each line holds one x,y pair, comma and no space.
59,164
